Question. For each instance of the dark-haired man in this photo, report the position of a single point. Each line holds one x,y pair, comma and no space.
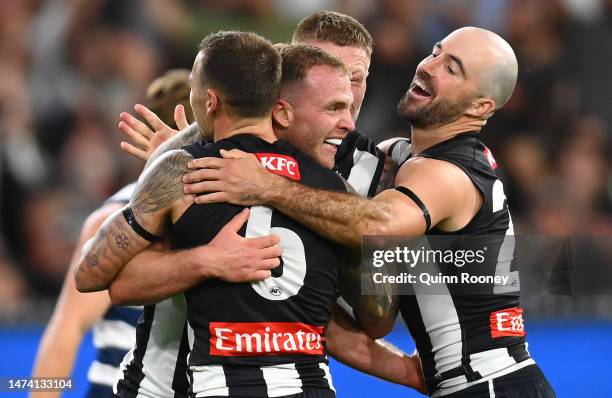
258,339
470,346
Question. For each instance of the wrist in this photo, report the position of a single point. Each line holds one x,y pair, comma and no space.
200,261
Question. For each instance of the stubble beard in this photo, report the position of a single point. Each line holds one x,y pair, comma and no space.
434,113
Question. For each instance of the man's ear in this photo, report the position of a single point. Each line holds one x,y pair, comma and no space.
282,113
212,101
481,108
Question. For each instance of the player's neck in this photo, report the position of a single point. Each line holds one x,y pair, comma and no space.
426,137
259,127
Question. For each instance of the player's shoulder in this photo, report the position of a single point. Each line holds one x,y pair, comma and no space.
468,152
314,175
244,142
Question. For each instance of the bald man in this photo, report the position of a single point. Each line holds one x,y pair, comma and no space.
470,337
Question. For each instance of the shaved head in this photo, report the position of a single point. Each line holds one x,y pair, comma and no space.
498,65
469,75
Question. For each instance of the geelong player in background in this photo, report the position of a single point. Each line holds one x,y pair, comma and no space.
470,346
75,313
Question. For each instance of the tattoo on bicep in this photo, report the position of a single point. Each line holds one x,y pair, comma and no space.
190,135
163,183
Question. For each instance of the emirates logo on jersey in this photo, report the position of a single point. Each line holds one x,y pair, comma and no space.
490,158
282,165
265,338
507,323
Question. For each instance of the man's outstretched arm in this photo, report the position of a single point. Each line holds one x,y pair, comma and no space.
344,218
128,232
347,343
156,273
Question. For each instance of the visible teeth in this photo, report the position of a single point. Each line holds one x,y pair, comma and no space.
421,86
334,141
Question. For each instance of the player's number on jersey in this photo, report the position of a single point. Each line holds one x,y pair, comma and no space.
294,256
506,251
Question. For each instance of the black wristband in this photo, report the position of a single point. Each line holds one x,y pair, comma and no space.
131,219
419,203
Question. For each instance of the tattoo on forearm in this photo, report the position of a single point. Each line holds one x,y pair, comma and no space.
162,184
122,240
92,260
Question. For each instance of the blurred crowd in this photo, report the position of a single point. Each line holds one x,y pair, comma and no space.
69,67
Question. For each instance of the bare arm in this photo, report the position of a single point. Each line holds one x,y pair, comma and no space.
156,274
189,135
74,314
353,347
377,311
159,192
445,189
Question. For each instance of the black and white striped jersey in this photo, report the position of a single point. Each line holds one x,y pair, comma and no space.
113,334
360,162
262,339
462,338
153,363
156,366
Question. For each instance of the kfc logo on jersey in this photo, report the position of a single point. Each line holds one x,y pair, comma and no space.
490,158
507,323
265,338
283,165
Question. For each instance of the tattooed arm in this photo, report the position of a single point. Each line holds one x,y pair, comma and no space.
376,311
158,196
377,308
189,135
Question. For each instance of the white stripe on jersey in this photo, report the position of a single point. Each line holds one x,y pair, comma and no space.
163,346
440,320
115,334
401,151
128,358
327,375
209,381
362,172
160,357
101,373
491,389
446,391
124,194
282,380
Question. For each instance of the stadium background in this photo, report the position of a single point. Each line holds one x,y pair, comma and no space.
69,67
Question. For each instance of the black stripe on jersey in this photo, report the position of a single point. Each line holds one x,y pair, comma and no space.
180,383
111,356
312,376
376,179
133,374
245,381
128,315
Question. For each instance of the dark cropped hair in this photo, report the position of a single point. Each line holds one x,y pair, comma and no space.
298,59
245,68
333,27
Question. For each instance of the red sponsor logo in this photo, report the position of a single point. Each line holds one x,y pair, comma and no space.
265,338
490,158
283,165
507,323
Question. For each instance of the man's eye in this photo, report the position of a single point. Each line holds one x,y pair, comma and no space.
450,70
